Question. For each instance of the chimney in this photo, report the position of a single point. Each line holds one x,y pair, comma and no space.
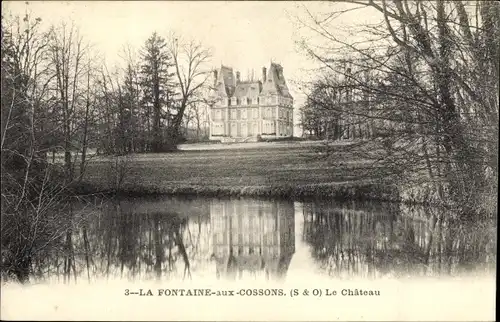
264,74
237,77
215,77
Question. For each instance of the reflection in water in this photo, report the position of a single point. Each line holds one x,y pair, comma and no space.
369,242
134,240
176,238
252,236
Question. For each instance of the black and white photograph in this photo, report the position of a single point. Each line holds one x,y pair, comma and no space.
249,160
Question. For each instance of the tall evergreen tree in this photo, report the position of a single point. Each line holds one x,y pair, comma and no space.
158,89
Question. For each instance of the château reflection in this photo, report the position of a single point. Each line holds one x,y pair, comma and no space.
252,237
181,238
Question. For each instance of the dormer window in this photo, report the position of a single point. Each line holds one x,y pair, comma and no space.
234,101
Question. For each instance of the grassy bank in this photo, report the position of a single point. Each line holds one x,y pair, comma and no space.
291,171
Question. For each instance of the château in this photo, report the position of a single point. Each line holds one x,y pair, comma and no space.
246,110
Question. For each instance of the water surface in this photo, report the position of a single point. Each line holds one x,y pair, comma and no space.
194,238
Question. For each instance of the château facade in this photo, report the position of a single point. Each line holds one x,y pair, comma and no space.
245,110
255,237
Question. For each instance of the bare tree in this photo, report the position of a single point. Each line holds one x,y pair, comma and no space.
431,91
189,58
32,197
68,55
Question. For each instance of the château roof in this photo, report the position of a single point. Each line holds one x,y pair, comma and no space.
276,265
275,83
225,81
226,84
248,89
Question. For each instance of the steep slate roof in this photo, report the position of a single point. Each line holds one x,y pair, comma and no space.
277,265
275,84
225,81
248,89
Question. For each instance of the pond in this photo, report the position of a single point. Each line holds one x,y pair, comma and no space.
172,238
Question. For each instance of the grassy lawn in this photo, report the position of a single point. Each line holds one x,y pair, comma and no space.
282,170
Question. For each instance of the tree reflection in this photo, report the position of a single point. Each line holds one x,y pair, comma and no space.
178,239
369,241
124,241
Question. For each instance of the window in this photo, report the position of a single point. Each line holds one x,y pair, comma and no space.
255,113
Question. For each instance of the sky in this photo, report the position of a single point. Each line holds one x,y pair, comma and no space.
245,35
